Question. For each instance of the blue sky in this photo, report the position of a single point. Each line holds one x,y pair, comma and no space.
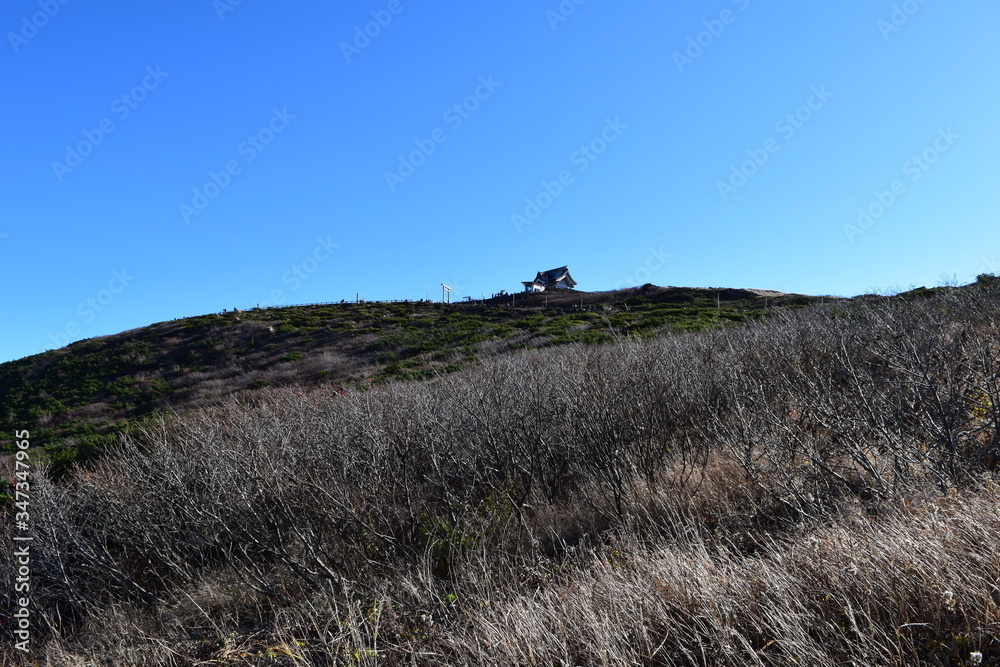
166,160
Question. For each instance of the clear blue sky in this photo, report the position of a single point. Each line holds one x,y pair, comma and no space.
163,160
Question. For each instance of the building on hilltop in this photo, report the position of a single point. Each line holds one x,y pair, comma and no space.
551,279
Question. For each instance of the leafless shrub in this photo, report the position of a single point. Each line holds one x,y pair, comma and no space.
813,489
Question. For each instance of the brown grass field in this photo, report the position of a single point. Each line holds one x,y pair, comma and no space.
818,488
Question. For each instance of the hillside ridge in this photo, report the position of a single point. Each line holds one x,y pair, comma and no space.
73,397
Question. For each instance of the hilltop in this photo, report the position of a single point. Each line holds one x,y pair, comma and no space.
73,397
814,487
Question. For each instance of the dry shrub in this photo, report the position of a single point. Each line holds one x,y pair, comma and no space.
813,489
917,585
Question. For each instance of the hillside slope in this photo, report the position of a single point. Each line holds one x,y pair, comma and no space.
69,397
817,488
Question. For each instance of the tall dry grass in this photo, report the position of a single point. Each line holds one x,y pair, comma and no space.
816,489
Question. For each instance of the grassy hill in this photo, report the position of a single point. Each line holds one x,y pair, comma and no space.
73,397
816,487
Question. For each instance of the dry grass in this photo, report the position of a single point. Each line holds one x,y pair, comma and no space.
815,490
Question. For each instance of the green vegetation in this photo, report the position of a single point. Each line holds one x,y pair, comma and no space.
72,398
